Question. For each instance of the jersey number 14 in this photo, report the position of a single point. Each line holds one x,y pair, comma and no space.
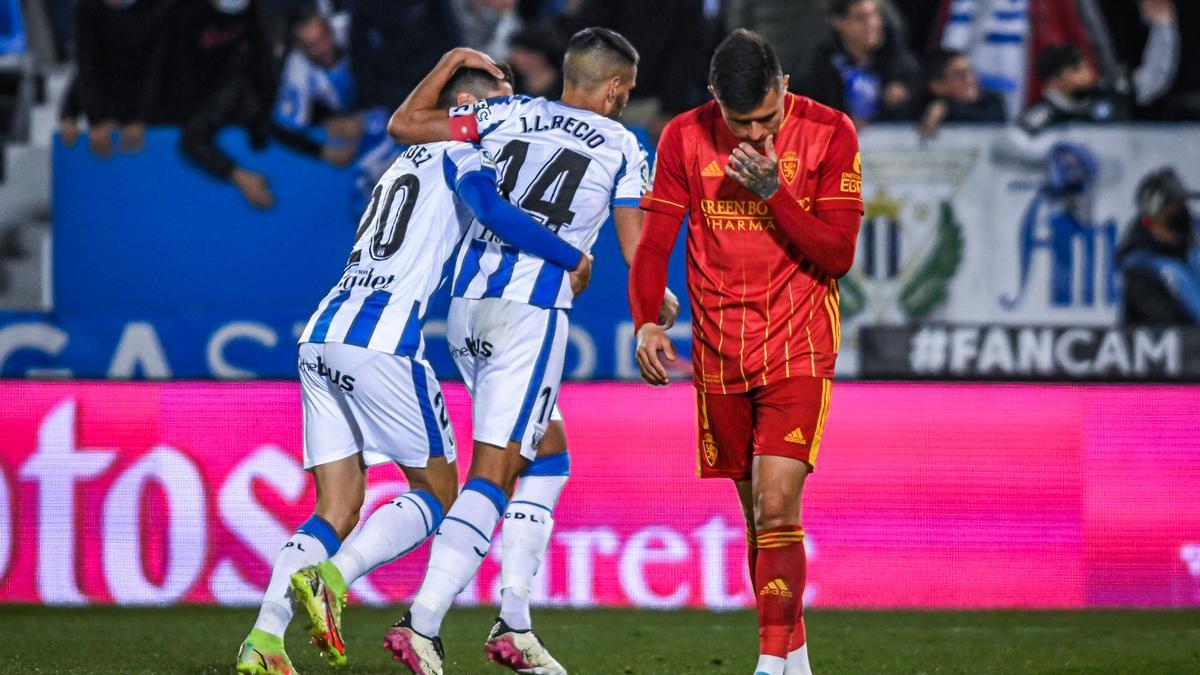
552,191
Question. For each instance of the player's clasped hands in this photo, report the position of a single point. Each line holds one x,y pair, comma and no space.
756,172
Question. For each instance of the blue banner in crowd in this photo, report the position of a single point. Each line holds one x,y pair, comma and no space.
160,271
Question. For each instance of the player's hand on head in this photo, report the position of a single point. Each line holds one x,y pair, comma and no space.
581,276
757,172
100,139
652,339
471,58
669,311
254,188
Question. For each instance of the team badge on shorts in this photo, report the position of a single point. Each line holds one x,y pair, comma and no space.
789,167
710,449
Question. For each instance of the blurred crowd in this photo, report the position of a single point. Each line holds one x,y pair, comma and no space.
322,76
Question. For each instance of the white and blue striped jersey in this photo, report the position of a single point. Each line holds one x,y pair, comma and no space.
304,85
405,239
564,166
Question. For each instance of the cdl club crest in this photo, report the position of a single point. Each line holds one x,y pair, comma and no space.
911,243
789,167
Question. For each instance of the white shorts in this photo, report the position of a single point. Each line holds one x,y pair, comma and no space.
358,400
511,357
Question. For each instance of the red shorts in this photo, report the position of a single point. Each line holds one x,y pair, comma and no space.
784,419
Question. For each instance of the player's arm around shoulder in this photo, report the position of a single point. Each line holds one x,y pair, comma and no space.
420,119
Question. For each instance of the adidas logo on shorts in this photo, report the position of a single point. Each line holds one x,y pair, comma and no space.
777,587
795,436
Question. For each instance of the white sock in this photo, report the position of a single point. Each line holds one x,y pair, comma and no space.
461,544
392,531
769,665
308,546
527,528
797,662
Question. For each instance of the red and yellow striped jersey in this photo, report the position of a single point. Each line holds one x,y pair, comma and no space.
760,310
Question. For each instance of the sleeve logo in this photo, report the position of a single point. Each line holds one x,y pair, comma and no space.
852,180
789,167
482,112
486,160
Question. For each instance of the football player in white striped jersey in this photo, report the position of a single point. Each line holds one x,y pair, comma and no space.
567,163
369,395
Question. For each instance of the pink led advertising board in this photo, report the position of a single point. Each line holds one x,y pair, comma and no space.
925,496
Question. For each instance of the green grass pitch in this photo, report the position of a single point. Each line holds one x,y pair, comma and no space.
616,642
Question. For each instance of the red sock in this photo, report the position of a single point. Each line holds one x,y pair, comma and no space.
797,640
779,576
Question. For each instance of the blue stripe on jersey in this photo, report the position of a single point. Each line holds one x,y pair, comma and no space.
421,387
321,327
547,286
363,326
1003,38
449,170
535,383
628,202
410,337
1000,83
503,274
470,267
617,181
485,132
1009,15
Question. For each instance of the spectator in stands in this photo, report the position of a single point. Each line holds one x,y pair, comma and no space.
487,25
119,46
1155,47
317,98
862,69
672,73
795,29
956,95
1073,91
1159,258
536,58
394,43
220,73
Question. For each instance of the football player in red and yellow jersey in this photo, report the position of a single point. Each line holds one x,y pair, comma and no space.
771,185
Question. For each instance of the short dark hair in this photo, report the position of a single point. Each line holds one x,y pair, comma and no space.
743,69
595,55
303,13
1055,59
478,82
939,60
840,8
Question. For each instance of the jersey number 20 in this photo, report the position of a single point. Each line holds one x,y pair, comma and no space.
389,223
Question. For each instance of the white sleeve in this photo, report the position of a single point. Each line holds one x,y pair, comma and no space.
1160,62
633,176
464,159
